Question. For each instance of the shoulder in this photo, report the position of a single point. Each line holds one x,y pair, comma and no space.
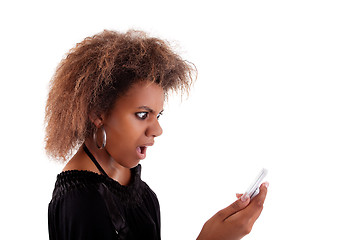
74,181
75,192
77,209
80,162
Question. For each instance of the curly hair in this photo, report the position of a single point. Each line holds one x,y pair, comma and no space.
95,73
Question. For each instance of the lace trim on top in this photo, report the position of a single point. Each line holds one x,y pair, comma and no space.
84,179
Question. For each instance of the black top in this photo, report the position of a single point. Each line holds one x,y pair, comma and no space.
87,205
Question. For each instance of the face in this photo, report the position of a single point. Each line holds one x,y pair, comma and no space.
132,125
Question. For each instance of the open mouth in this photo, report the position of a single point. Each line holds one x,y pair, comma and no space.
141,151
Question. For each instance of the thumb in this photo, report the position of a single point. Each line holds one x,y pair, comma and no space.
233,208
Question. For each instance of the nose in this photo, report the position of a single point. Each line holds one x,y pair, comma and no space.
154,129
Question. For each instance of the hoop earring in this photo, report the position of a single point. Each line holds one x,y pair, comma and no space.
103,137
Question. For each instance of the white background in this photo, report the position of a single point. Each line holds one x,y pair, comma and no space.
278,87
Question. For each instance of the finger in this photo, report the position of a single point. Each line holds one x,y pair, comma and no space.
235,207
253,211
238,195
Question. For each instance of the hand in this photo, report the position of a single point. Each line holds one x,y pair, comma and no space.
236,220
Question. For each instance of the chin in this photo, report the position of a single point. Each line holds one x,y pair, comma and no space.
127,162
131,164
135,164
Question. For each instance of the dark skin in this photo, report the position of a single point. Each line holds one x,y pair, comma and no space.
131,127
132,123
235,221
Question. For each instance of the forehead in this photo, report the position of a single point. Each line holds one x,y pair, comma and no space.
143,93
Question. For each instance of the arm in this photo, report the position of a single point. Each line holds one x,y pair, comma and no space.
234,221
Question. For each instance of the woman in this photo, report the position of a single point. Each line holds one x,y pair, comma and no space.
104,102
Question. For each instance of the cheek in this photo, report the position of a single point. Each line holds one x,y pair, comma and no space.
123,136
125,130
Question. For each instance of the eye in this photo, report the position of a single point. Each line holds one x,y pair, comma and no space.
142,115
158,116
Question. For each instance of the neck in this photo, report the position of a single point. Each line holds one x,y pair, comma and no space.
112,168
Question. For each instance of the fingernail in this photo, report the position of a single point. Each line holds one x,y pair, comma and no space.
244,197
266,184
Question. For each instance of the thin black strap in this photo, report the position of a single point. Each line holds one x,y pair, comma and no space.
94,160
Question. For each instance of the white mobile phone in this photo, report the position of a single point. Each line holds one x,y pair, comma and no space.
254,188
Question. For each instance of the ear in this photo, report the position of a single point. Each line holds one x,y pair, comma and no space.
96,119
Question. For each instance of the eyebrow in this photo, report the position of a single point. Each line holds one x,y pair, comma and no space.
149,109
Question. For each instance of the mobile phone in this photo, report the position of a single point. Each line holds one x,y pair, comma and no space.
254,187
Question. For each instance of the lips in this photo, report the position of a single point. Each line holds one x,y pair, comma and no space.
141,150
